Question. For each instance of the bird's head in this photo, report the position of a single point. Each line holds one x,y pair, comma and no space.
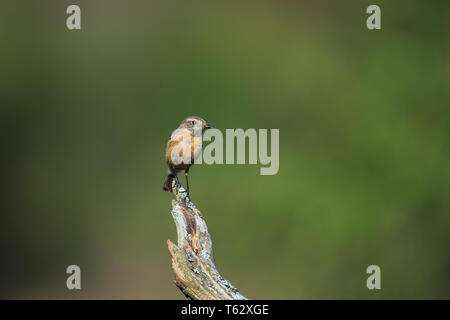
192,123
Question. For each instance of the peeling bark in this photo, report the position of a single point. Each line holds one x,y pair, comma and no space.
196,273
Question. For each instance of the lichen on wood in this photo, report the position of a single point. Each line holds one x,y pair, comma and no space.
196,273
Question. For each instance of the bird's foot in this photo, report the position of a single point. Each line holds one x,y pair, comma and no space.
177,183
185,197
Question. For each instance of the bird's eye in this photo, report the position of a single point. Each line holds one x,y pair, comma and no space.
193,122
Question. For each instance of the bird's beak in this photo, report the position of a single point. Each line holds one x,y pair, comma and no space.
208,127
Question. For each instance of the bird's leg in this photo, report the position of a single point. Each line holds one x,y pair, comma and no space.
173,173
187,184
177,182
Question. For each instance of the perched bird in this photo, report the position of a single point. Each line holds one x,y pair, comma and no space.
183,148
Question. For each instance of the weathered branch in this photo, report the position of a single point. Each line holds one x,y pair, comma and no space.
193,262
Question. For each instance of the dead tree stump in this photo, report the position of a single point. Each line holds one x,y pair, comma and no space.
196,273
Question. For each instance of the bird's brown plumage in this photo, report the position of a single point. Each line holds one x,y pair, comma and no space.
183,148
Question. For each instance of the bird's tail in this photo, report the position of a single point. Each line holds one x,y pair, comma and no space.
168,184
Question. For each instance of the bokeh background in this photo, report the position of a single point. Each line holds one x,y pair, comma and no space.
364,146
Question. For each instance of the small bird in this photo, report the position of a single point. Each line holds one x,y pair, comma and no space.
183,148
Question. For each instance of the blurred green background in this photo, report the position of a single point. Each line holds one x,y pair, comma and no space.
364,145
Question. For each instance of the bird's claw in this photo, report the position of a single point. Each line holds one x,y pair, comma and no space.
177,183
